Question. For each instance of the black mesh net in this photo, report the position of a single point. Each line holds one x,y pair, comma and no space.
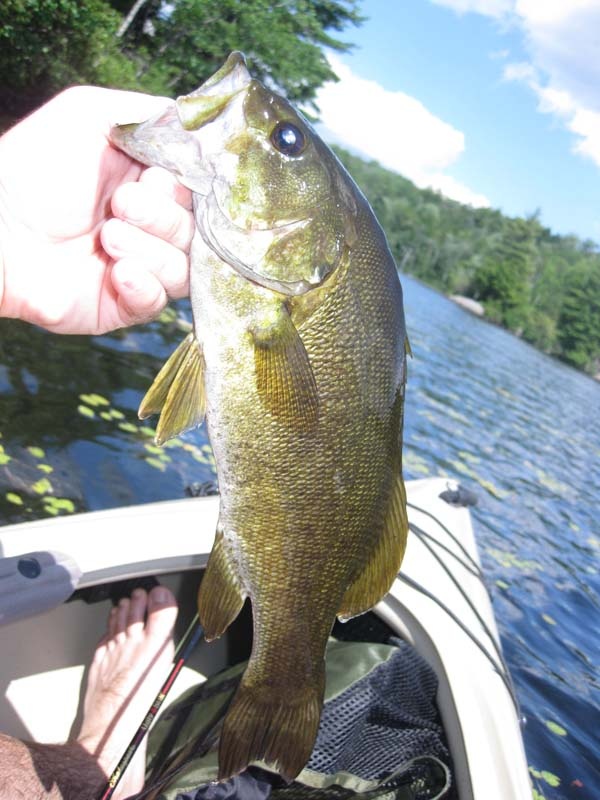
383,721
383,728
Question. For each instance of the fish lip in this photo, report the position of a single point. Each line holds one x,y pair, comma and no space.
233,70
133,137
206,103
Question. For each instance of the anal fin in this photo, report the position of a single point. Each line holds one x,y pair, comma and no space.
220,598
383,565
284,377
177,392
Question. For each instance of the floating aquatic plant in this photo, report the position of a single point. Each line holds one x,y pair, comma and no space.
85,411
54,505
548,777
14,498
557,729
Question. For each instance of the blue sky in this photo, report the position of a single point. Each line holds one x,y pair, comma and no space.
493,102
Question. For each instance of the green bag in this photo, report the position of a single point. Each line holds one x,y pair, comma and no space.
182,747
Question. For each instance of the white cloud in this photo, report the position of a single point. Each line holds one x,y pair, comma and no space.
452,188
562,39
580,120
394,129
491,8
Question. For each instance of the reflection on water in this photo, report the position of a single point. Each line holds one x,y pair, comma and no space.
483,407
70,436
522,430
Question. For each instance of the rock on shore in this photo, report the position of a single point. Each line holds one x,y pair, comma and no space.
468,304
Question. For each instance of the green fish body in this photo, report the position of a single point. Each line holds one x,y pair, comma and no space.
298,360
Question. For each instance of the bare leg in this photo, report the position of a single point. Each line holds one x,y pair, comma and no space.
128,669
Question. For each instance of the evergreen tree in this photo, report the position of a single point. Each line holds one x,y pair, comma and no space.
163,47
579,320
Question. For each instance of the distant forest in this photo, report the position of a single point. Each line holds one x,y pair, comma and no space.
543,287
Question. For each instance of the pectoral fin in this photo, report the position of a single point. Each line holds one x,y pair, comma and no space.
284,377
177,392
220,598
384,563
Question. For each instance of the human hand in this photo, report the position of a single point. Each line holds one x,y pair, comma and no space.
90,240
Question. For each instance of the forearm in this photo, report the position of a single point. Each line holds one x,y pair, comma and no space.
30,771
5,226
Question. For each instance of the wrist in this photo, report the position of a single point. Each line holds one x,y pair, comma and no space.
7,243
4,228
1,273
4,236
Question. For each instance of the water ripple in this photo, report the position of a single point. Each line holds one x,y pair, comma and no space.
519,427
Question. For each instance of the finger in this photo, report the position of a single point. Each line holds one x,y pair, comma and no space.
140,294
162,180
123,241
149,207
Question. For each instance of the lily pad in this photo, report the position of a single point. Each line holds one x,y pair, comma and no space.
43,486
94,400
154,449
14,498
156,463
53,505
557,729
128,427
36,452
549,777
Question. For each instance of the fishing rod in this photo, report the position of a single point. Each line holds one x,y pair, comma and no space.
187,643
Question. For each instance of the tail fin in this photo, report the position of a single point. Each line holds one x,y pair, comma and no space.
275,724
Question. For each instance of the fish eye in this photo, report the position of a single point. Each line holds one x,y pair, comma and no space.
288,139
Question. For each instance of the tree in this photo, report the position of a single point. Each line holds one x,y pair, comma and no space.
503,283
164,47
283,40
579,320
46,45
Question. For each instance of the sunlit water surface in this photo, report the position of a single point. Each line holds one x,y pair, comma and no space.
519,428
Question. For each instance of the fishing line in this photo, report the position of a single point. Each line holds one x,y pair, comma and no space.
187,643
476,570
501,668
424,534
454,538
486,629
502,674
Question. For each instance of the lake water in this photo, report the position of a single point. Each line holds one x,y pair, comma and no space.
484,408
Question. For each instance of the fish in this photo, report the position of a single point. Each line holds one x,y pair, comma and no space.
297,360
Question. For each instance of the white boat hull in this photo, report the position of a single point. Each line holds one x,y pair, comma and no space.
43,654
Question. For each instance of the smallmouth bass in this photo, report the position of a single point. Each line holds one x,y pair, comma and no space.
298,361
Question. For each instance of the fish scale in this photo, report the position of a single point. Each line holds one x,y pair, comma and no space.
299,360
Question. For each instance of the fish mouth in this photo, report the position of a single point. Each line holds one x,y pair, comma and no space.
208,101
167,139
